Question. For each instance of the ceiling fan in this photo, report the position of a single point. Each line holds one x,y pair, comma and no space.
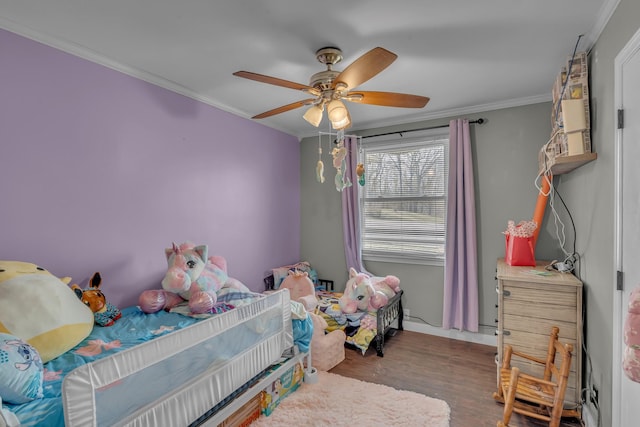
330,87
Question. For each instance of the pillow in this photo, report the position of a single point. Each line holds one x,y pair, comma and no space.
21,371
41,309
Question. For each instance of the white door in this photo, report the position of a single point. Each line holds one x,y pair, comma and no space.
626,393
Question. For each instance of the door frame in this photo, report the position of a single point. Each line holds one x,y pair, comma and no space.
631,48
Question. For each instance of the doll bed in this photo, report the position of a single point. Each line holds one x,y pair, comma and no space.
166,368
361,328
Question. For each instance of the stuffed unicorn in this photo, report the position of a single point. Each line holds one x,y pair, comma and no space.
192,276
366,293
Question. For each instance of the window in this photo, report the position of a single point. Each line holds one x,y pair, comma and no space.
403,204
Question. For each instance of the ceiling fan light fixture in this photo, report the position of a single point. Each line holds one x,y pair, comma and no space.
342,123
337,111
314,115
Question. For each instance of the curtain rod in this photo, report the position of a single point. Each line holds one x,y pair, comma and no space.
479,121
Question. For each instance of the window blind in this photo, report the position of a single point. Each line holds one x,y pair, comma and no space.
403,204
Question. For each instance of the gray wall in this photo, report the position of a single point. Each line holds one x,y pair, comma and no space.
590,195
505,153
505,156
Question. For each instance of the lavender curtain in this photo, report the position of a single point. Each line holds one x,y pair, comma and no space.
460,309
350,209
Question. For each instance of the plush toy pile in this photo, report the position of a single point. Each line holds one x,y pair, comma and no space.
355,310
40,319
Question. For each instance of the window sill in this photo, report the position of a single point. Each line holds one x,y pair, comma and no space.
434,263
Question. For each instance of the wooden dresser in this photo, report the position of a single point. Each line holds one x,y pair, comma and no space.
530,301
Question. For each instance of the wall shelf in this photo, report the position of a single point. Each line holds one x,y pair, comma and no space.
561,165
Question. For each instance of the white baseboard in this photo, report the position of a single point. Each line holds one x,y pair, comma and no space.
450,333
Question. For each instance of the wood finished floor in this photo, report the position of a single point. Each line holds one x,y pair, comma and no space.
461,373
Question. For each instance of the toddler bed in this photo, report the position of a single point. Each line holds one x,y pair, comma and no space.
361,328
166,368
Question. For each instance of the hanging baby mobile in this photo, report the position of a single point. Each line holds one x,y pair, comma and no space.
339,156
360,173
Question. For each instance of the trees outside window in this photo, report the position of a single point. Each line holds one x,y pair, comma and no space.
403,203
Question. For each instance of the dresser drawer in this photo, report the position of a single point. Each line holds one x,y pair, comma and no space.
539,293
530,302
513,322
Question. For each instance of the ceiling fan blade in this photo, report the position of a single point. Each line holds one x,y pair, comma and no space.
275,81
284,108
365,67
387,99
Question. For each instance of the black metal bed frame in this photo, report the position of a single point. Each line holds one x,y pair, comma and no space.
386,315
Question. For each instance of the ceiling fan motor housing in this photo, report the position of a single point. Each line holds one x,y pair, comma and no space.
329,56
323,80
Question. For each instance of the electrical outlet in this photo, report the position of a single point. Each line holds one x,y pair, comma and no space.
407,313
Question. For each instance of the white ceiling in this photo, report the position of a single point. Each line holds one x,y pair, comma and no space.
466,55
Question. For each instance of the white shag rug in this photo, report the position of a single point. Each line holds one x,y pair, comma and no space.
340,401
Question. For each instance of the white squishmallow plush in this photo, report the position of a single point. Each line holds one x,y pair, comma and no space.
41,309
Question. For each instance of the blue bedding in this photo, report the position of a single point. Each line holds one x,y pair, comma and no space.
135,327
132,329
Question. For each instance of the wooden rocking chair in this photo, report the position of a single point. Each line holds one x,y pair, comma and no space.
540,398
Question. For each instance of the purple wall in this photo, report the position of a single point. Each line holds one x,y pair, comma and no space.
100,171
